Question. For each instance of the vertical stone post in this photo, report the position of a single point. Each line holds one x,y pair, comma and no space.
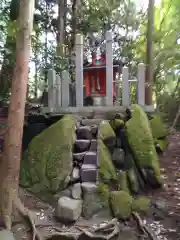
109,69
79,70
58,91
125,87
65,89
51,90
141,84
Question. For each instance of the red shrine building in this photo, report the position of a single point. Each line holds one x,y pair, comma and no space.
95,79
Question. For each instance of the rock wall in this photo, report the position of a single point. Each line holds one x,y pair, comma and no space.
95,166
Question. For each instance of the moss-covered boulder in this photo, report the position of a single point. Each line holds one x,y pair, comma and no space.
105,130
107,171
116,123
141,204
103,191
133,180
142,145
122,181
47,162
158,128
159,132
121,204
161,144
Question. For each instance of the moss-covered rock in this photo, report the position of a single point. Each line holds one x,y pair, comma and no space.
133,180
122,181
107,170
142,144
105,130
116,123
103,192
158,128
121,204
48,159
161,144
141,204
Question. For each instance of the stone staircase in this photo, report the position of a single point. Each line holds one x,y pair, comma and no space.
85,158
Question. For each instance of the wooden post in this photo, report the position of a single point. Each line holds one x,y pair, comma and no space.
125,87
58,91
51,89
141,84
65,89
109,69
79,71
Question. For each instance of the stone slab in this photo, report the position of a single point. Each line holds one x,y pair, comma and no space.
81,145
68,209
90,158
89,175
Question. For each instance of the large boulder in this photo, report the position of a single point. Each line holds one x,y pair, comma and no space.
107,135
158,128
121,204
47,162
106,143
142,145
159,132
107,171
141,204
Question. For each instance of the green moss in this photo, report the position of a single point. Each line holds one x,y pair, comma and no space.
157,127
141,204
103,192
121,204
48,159
122,180
107,171
105,130
141,141
133,181
161,144
116,123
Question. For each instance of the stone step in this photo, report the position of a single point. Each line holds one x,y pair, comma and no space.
89,175
84,132
88,166
90,158
93,145
94,130
88,187
90,122
79,157
81,145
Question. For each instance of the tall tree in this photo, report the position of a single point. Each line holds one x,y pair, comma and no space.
149,54
61,28
10,164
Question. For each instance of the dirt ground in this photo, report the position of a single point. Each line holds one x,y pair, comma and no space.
164,217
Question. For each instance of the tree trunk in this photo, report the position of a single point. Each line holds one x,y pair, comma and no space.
10,164
149,54
60,32
75,9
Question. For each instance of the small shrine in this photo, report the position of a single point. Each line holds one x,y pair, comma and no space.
95,79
